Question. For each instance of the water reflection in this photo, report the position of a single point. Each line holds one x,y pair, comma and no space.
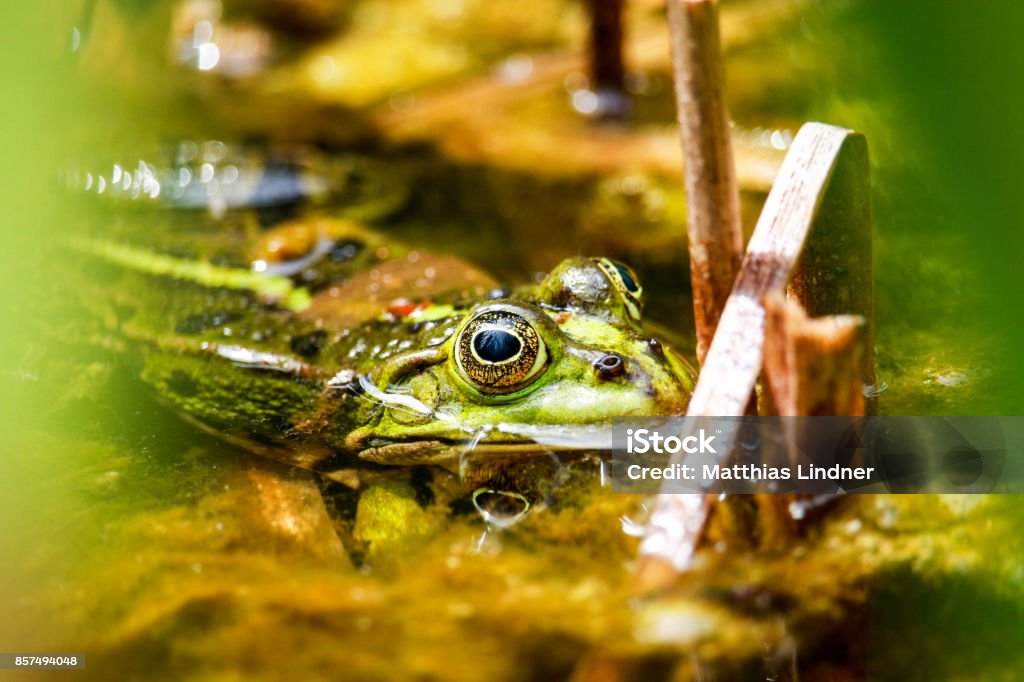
213,176
204,40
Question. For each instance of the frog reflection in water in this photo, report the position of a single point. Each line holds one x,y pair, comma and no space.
335,347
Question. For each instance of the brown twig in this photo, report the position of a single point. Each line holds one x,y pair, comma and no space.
712,195
607,69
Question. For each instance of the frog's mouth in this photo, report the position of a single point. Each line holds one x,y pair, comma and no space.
516,441
421,451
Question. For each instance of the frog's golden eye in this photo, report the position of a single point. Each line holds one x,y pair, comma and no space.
626,283
500,352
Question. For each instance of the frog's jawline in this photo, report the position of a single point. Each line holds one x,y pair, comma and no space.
442,451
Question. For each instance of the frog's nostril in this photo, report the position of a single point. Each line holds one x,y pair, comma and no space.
610,366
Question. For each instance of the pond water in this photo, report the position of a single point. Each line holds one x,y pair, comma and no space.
162,553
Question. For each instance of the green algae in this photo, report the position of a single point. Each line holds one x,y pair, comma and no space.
390,523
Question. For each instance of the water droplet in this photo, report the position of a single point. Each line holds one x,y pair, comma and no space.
202,33
584,101
208,55
952,379
323,68
875,390
515,69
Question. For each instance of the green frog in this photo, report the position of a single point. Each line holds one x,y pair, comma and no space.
327,346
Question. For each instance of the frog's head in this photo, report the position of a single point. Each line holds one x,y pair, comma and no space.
601,287
526,374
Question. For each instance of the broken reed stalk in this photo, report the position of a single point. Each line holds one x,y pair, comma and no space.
712,195
789,218
799,200
834,274
812,366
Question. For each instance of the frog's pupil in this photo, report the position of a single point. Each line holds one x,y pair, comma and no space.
495,345
627,277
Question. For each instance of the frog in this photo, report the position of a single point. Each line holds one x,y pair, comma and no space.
328,346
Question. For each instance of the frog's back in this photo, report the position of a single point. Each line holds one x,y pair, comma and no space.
243,330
